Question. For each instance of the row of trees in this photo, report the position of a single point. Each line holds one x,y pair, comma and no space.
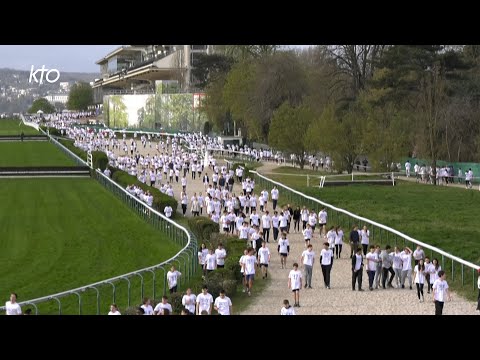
79,98
348,100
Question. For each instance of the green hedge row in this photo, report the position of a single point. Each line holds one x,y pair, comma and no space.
100,160
52,131
203,228
160,200
77,151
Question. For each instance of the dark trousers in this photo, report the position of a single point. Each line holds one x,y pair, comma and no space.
385,275
438,307
304,225
357,276
338,250
296,225
419,290
266,234
326,269
274,204
275,234
365,249
184,208
371,277
353,248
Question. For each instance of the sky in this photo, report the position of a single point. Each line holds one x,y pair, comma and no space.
64,58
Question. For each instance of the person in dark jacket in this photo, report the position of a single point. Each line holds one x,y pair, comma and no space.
296,219
354,240
357,269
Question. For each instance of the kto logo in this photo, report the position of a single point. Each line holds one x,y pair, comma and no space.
42,70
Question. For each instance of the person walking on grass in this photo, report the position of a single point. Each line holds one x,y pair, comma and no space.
440,292
295,283
307,260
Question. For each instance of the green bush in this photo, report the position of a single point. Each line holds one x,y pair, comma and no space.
77,151
52,131
160,200
203,228
100,160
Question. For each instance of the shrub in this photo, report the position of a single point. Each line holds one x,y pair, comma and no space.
160,200
203,228
100,160
52,131
77,151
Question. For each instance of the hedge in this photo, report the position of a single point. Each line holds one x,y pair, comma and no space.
51,130
160,200
100,160
77,151
203,228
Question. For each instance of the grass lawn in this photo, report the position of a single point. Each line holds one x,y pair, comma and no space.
59,234
32,153
15,127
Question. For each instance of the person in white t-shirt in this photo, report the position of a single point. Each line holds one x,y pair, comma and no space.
287,309
172,277
12,307
419,278
189,301
223,304
168,211
114,310
204,301
162,306
308,259
283,249
248,266
407,168
147,307
440,292
295,283
220,254
264,259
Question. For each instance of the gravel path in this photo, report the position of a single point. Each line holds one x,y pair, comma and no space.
340,299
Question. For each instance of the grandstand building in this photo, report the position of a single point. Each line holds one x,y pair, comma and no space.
134,69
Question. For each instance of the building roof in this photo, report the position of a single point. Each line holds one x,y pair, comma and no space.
119,50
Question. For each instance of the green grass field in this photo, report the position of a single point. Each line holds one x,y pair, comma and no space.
59,234
15,127
32,153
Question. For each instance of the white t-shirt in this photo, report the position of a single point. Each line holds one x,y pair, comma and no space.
168,211
283,243
249,262
295,277
114,313
419,276
371,263
264,255
221,254
274,193
13,309
148,309
160,306
440,286
308,257
326,256
322,217
189,302
172,277
266,221
289,311
204,302
223,305
210,260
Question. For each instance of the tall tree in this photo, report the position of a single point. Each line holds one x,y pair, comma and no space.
43,105
289,123
80,97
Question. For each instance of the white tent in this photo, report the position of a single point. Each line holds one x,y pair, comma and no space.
39,112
